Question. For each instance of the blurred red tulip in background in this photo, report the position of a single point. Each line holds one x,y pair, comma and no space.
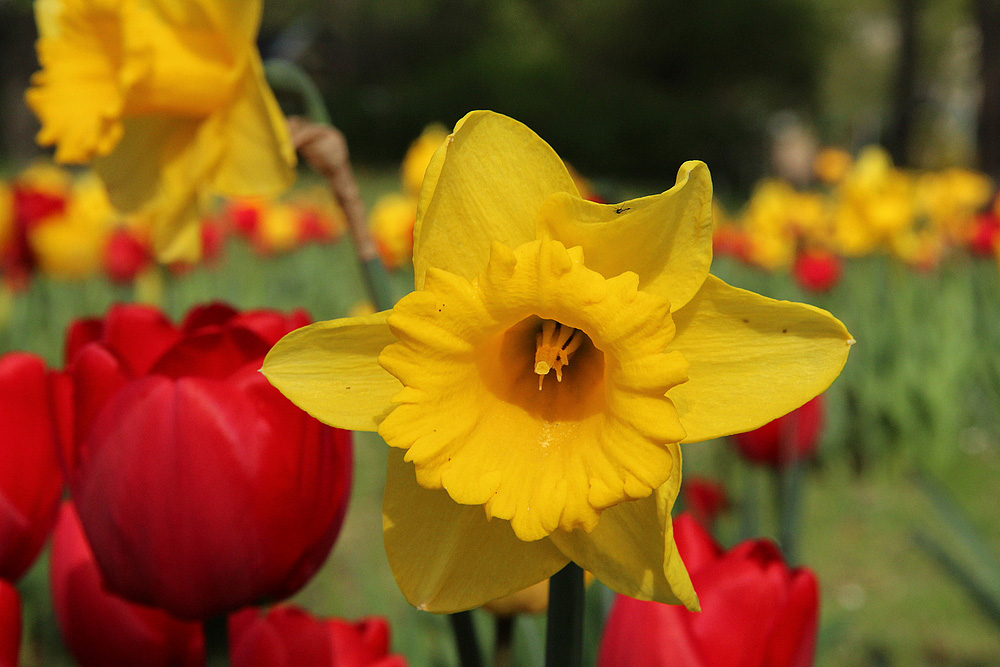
755,612
289,637
817,270
100,628
201,488
10,624
125,256
704,498
788,438
30,479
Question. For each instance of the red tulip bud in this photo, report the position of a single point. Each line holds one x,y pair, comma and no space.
200,487
10,624
125,256
30,479
785,439
755,612
985,235
100,628
704,498
289,637
817,271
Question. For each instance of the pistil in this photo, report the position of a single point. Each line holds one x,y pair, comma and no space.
555,344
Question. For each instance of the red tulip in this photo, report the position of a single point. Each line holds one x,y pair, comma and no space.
10,624
704,498
100,628
785,439
289,637
985,234
201,488
125,256
817,270
30,479
755,612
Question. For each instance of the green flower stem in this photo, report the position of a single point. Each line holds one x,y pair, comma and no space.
564,630
325,150
503,651
284,75
217,641
788,498
469,654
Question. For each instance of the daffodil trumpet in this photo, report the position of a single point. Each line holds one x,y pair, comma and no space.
495,483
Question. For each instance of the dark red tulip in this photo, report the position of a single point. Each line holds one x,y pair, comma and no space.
100,628
985,234
10,624
817,270
125,256
288,637
30,478
755,612
785,439
201,488
704,498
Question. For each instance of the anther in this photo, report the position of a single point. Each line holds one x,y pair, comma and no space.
554,345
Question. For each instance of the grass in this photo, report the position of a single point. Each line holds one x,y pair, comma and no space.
921,391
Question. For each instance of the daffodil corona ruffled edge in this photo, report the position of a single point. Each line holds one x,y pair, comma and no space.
498,478
168,101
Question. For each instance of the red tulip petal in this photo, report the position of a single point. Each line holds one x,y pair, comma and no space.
96,376
209,315
271,325
742,596
138,336
647,634
794,641
10,624
212,353
102,629
285,637
80,333
696,546
30,478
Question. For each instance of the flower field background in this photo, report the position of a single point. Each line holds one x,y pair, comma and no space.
919,396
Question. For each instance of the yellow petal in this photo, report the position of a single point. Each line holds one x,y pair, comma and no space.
666,239
236,21
258,158
632,550
448,557
752,359
329,369
486,184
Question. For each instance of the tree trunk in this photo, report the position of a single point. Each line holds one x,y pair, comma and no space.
988,131
904,95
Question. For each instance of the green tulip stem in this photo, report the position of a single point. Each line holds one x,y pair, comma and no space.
787,483
469,653
324,148
503,655
287,76
216,631
564,630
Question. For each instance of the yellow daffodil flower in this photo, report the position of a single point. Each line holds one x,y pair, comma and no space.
169,101
392,219
536,385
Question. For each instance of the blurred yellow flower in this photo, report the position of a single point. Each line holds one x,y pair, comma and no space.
951,199
392,219
71,245
874,203
169,101
418,156
832,164
536,386
6,215
532,600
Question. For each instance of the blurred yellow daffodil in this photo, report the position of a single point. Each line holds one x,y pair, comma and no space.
71,244
875,203
392,219
418,156
536,385
167,99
